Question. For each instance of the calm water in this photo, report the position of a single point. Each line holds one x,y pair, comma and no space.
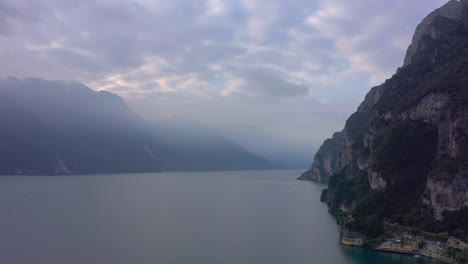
207,218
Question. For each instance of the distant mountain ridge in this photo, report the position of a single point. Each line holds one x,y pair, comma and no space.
403,155
59,127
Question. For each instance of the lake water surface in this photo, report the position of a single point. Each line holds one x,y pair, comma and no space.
251,217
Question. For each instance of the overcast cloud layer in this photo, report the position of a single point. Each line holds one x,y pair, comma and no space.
278,76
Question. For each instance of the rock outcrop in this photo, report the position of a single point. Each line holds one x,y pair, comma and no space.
327,161
404,154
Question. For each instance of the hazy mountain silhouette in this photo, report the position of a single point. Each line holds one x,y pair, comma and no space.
58,127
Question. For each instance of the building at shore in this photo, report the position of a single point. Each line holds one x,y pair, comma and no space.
352,239
456,243
410,242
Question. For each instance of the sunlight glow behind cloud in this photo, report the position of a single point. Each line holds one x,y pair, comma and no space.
298,67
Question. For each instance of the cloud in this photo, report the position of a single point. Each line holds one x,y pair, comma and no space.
268,81
98,39
371,36
294,59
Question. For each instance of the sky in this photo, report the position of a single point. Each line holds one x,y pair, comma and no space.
277,76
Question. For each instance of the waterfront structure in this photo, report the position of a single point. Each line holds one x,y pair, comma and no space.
437,250
396,246
410,242
433,249
456,243
352,239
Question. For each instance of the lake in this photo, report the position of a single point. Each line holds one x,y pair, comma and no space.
249,217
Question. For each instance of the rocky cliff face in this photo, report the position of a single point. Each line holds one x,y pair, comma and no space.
404,154
327,160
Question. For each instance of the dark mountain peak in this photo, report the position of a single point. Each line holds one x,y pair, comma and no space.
454,10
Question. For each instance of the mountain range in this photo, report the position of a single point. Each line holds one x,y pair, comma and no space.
60,127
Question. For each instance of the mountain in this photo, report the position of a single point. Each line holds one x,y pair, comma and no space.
403,156
58,127
198,148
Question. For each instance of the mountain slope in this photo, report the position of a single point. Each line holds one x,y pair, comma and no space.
198,148
404,154
57,127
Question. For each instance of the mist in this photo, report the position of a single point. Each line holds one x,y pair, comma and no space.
286,132
276,78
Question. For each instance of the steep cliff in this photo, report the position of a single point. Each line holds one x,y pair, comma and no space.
327,160
404,154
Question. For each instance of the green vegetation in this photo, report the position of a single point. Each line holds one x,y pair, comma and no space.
456,223
365,217
422,76
405,154
374,242
442,236
355,124
323,196
405,151
462,257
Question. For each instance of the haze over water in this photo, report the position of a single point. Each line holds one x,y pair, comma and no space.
204,217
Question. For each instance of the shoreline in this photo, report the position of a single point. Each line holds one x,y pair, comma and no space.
418,252
406,253
408,245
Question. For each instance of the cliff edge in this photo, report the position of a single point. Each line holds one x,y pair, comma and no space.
403,155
